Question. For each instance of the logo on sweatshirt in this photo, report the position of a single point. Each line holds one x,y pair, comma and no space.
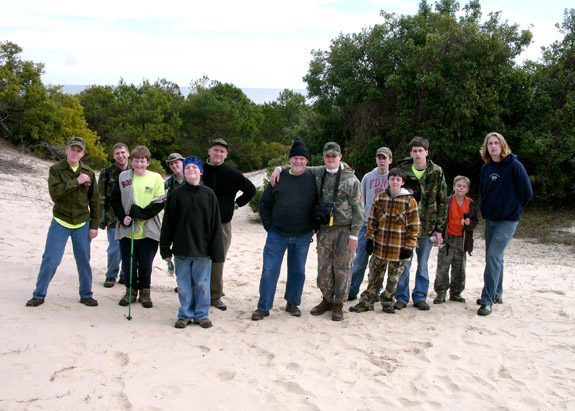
494,176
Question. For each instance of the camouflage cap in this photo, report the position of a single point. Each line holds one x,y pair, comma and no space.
174,157
76,141
384,151
218,142
331,148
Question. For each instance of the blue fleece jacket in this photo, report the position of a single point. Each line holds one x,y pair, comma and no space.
505,189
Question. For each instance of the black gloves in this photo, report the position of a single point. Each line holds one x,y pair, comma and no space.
405,253
369,247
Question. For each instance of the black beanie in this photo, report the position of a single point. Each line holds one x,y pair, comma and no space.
298,149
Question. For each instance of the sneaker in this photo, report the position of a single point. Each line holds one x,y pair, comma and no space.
361,307
484,310
399,305
456,298
439,300
422,305
352,298
122,281
109,283
89,302
293,310
260,314
181,323
388,309
205,323
219,305
34,302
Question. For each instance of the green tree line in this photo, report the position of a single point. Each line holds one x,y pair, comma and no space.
446,73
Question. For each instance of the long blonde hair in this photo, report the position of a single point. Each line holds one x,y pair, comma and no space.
505,149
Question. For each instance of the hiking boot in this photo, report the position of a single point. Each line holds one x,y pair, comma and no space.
109,282
125,301
322,307
89,302
456,298
388,308
34,302
145,298
205,323
439,300
181,323
422,305
337,313
219,305
361,307
293,310
484,310
399,305
260,315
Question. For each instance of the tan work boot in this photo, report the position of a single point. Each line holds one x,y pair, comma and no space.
322,307
337,314
145,298
125,301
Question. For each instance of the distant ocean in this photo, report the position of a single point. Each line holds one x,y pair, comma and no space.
257,95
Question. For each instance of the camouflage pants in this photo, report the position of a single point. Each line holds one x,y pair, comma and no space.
334,262
377,267
451,255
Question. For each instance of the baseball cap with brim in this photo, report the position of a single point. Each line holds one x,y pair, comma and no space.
77,141
384,151
331,148
174,157
218,142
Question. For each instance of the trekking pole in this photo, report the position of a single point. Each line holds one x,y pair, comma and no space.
129,317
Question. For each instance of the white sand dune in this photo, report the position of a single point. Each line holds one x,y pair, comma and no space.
63,355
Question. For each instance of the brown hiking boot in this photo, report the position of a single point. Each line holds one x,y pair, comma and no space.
322,307
145,298
125,301
337,313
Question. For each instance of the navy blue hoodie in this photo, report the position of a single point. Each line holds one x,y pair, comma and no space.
505,189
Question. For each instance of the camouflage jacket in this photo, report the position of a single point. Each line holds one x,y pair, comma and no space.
108,179
348,209
431,195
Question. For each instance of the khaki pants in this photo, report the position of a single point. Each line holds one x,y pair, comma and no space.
217,276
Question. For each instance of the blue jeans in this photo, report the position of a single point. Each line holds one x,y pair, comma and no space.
359,264
274,250
193,276
497,236
421,274
54,251
114,255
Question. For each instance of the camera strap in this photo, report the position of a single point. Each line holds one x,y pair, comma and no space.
335,188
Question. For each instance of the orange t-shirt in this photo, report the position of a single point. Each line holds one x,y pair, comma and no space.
456,212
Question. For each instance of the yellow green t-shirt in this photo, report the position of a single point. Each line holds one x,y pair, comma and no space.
416,172
65,224
145,190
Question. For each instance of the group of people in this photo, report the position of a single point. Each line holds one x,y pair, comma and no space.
392,215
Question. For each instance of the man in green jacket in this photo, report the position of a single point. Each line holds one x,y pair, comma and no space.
74,192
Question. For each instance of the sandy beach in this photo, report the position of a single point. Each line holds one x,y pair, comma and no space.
66,356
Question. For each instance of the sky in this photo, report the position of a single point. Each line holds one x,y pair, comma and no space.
250,43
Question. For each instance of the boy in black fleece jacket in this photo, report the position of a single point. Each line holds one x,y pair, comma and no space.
192,232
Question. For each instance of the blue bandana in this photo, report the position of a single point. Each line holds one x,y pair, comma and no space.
196,161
